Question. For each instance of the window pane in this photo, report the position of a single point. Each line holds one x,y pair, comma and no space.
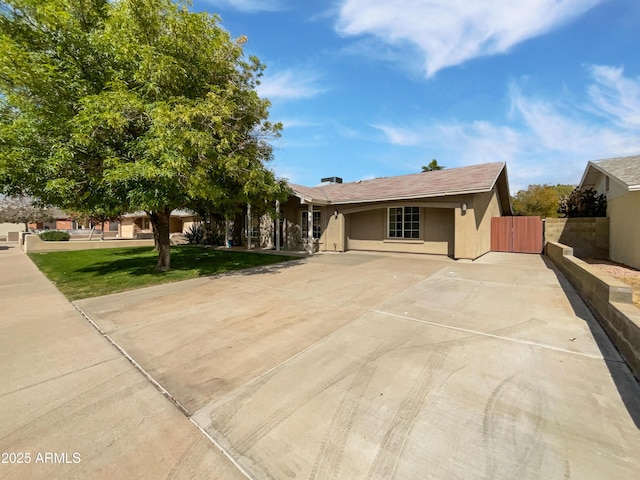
317,224
395,222
411,222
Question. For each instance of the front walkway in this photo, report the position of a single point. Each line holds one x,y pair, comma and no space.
71,406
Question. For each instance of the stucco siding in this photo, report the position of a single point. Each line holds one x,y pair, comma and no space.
126,229
5,228
368,231
439,230
485,206
624,244
473,228
368,225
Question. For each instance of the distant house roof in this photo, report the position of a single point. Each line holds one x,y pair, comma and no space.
175,213
624,170
439,183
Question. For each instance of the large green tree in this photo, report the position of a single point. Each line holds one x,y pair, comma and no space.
539,200
129,105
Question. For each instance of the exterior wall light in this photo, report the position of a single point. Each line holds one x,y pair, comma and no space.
335,214
463,207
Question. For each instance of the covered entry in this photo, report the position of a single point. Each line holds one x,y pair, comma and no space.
516,234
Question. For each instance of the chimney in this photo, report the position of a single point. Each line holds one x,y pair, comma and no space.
330,180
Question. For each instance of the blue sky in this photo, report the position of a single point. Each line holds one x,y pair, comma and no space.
376,88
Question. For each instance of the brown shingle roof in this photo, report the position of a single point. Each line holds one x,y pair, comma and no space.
453,181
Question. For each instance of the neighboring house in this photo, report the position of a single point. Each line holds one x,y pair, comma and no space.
137,224
60,221
619,180
63,221
445,212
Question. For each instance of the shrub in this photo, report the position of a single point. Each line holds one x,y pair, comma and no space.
54,236
195,235
583,203
198,235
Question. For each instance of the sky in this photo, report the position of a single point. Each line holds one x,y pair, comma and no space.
378,88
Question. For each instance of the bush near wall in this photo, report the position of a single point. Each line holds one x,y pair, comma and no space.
54,236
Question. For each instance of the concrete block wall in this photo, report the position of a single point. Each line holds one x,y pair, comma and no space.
589,237
609,298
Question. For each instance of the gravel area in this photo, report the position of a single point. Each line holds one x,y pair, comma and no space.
628,275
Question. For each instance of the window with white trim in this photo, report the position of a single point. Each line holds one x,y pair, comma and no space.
404,222
317,216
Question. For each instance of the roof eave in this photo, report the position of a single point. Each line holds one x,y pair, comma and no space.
305,199
606,174
414,197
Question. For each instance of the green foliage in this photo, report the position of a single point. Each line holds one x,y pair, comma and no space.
115,106
539,200
583,203
195,234
54,236
89,273
433,166
201,235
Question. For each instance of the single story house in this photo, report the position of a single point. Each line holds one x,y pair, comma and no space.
619,180
445,212
133,225
61,220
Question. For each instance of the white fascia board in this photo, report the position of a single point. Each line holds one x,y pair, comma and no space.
415,197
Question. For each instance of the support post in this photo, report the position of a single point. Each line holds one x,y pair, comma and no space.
248,226
310,229
226,232
277,225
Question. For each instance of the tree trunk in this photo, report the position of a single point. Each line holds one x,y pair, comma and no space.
238,225
26,226
102,232
91,233
160,221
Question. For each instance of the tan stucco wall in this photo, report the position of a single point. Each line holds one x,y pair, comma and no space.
10,227
334,234
368,231
366,226
126,229
473,229
624,228
187,224
439,230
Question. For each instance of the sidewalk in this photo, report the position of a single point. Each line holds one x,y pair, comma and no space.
71,406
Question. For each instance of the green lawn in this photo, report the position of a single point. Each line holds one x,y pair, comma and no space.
89,273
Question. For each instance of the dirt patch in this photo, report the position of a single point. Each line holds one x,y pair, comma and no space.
624,273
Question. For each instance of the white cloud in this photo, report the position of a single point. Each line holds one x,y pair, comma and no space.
615,95
249,5
290,85
403,136
545,141
450,32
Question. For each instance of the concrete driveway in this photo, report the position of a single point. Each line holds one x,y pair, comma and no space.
389,366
